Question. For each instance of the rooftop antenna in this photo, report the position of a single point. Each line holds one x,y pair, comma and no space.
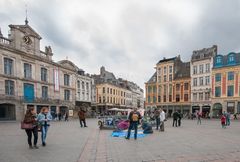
26,20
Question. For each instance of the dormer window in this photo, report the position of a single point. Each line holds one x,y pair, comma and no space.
218,61
231,58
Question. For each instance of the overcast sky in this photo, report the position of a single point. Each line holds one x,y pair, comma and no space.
128,37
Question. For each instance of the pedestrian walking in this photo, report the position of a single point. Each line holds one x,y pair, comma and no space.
162,120
66,116
30,119
44,117
134,118
199,115
175,118
228,119
82,118
157,118
59,116
223,121
235,116
180,115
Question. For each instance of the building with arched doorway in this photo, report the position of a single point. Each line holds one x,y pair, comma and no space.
29,77
225,83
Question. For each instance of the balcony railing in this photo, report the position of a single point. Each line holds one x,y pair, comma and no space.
4,41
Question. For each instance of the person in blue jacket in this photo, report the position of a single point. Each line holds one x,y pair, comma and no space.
43,118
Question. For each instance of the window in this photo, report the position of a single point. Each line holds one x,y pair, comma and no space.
87,86
185,97
78,84
9,87
108,90
83,95
83,85
231,75
201,81
43,74
230,90
207,68
231,59
170,89
159,79
217,91
149,99
170,98
165,78
218,77
170,77
177,98
159,89
154,99
66,95
66,79
103,90
185,86
104,99
27,71
149,89
200,69
170,69
200,96
99,99
154,89
165,89
113,91
207,80
177,87
165,70
159,71
194,69
207,96
44,92
194,81
8,66
218,61
159,98
194,96
164,98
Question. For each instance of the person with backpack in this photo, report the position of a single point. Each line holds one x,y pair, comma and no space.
43,118
134,118
82,118
31,120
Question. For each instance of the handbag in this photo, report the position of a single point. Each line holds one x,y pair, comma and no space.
26,125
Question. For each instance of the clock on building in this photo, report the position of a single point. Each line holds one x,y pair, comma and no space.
27,40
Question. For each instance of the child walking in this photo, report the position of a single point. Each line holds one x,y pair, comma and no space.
223,121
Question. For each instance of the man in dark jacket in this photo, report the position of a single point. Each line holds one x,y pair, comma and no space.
157,117
134,118
82,120
175,118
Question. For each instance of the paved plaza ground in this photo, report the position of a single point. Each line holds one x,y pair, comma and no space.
67,142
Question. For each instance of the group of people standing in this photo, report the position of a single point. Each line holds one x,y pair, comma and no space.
177,118
38,122
225,119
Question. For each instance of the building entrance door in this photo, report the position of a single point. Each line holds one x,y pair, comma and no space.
7,112
28,92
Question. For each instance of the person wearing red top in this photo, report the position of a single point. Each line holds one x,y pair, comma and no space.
223,121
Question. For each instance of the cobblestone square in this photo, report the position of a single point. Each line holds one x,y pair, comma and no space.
67,142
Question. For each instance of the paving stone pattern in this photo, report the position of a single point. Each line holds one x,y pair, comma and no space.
67,142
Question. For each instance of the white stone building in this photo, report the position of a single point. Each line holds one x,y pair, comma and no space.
201,68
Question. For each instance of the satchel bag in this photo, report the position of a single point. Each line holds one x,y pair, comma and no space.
26,125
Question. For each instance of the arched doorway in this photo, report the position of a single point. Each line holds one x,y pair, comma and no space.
217,110
7,111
